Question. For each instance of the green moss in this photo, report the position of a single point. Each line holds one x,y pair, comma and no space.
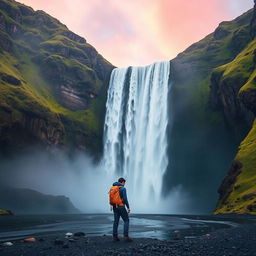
249,66
44,58
251,83
61,40
207,56
36,91
245,185
240,75
241,68
195,121
247,154
33,88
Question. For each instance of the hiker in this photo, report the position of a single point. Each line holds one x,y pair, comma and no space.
118,201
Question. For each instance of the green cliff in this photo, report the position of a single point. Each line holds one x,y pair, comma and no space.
209,120
52,83
238,189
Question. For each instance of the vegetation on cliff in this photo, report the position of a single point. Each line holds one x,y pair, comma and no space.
205,132
52,83
238,190
233,93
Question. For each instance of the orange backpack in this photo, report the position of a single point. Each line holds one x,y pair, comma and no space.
114,196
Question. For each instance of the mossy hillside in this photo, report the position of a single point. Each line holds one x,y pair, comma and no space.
193,67
61,70
20,107
242,198
227,82
220,45
23,97
240,74
250,84
200,141
39,101
241,70
59,44
44,55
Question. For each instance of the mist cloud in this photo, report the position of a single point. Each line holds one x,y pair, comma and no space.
84,182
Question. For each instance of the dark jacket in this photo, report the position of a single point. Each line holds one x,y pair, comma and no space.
122,192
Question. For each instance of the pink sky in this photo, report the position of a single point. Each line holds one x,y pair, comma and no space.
139,32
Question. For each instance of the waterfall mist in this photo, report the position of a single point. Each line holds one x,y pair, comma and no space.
60,174
84,182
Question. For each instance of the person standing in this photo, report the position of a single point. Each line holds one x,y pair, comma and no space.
118,200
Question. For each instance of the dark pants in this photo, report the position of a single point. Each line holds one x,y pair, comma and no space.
120,211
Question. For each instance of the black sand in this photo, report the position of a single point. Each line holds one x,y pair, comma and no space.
233,241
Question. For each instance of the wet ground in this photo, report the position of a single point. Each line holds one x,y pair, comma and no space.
163,227
152,235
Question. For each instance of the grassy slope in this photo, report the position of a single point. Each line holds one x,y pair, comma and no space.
243,190
194,122
26,60
196,64
210,53
242,198
242,66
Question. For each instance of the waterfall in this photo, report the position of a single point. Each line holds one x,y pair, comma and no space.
135,131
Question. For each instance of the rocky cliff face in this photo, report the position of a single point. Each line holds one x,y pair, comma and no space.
233,90
227,80
202,145
52,83
226,94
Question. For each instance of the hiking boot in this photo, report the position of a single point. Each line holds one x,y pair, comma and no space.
116,239
128,239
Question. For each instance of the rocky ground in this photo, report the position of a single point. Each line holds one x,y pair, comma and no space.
225,242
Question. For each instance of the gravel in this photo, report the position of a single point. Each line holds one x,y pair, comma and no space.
234,241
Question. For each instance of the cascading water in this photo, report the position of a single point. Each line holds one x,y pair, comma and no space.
135,131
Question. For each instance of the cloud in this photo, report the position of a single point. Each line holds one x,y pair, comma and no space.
132,32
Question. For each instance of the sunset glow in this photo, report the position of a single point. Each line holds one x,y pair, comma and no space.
139,32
